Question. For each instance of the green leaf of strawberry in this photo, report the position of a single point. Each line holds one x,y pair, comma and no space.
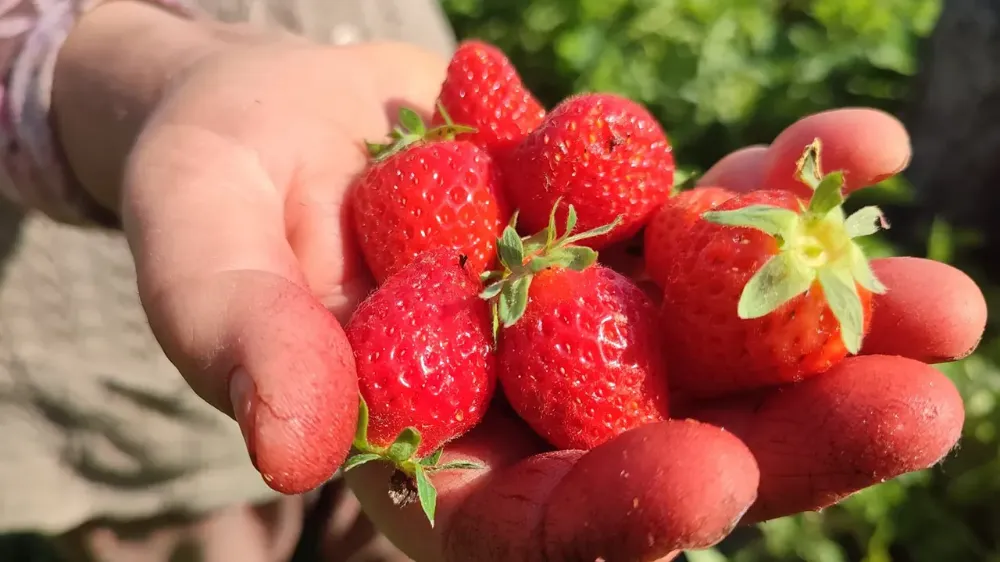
522,258
842,296
358,460
772,220
862,272
510,248
493,289
514,300
410,120
412,130
426,492
405,446
828,195
457,465
814,245
432,459
400,454
865,221
780,280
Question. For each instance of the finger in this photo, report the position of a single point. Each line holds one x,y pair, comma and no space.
651,491
866,144
230,307
867,420
930,311
740,171
499,441
505,519
544,507
318,217
319,228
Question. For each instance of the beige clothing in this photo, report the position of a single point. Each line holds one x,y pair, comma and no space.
94,421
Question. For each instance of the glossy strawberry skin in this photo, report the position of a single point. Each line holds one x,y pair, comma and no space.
712,351
584,363
482,89
672,222
604,154
436,194
423,347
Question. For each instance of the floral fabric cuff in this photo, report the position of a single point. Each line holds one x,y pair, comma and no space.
33,170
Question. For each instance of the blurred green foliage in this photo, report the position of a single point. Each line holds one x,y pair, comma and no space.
718,73
721,74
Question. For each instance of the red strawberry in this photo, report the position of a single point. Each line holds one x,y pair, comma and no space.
420,194
580,358
672,222
602,153
426,368
768,289
483,90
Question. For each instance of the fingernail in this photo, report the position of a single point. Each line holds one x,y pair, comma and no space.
243,396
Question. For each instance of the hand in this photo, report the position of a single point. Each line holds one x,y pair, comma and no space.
233,205
685,484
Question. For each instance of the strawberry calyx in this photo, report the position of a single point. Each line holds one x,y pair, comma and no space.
412,130
816,244
411,476
522,257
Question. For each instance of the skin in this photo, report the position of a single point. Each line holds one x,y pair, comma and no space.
228,155
867,144
232,201
938,295
867,420
739,171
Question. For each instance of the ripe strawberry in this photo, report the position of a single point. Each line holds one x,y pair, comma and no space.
602,153
768,289
483,90
425,364
420,194
580,358
673,221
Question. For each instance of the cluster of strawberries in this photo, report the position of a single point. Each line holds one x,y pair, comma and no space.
482,230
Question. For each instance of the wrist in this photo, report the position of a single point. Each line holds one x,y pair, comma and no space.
109,76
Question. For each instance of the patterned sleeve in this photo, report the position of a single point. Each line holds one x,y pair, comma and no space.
33,171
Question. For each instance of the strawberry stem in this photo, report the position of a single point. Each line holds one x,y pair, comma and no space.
401,455
815,245
523,257
411,130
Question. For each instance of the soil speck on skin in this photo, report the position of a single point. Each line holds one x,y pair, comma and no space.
402,489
